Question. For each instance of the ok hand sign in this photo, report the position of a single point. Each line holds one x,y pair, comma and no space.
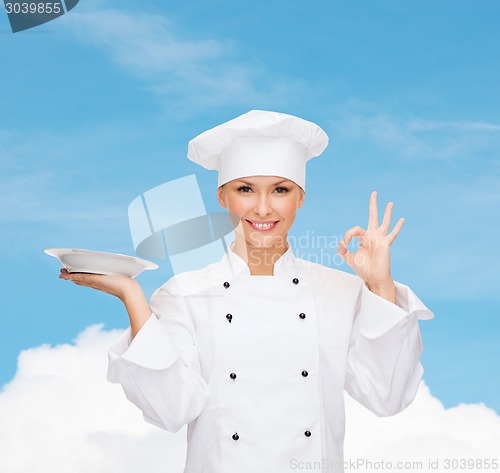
371,261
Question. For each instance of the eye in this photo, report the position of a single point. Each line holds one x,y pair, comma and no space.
281,190
244,189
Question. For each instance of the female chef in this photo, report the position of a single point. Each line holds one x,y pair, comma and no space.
254,352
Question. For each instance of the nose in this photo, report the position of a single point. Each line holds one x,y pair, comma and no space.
263,205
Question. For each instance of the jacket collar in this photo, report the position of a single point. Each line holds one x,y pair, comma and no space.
237,265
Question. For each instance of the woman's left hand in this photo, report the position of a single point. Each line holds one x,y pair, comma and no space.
371,261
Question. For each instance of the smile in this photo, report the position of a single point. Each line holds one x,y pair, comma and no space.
262,226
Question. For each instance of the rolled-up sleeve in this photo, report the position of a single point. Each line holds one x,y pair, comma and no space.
383,366
159,369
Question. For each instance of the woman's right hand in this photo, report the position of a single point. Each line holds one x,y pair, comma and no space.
118,286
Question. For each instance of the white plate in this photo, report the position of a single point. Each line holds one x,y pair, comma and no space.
99,262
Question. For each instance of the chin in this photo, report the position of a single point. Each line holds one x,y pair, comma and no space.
263,241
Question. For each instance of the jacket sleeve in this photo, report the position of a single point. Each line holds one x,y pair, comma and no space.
383,367
159,369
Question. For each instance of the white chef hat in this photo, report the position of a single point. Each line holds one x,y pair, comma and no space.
259,143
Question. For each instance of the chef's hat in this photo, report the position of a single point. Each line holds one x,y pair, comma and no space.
259,143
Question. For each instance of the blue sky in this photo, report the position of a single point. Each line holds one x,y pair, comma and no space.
98,106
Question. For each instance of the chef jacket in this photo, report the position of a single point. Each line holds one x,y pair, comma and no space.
257,365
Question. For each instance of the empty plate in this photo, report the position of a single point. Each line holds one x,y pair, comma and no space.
100,262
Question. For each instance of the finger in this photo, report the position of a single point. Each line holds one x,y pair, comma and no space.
392,236
345,254
372,211
65,274
354,231
84,277
80,278
386,222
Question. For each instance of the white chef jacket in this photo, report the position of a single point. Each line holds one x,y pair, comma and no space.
256,365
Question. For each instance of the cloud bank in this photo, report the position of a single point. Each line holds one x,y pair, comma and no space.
59,415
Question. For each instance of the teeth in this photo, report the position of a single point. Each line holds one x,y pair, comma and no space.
262,225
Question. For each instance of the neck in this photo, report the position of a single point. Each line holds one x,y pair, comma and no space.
260,261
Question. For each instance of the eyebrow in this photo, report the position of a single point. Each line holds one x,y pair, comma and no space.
275,184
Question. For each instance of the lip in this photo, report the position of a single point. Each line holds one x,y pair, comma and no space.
251,223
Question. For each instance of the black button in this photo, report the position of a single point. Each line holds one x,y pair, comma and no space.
226,284
302,315
232,375
304,373
236,436
295,280
229,317
306,433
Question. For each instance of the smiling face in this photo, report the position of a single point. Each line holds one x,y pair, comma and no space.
265,206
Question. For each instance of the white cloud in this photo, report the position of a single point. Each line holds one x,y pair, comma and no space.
60,415
418,138
424,431
202,72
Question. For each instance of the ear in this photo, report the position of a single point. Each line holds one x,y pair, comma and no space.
221,196
301,198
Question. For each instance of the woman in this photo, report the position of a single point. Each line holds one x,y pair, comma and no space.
254,352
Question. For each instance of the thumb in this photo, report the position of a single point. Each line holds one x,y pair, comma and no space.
344,253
